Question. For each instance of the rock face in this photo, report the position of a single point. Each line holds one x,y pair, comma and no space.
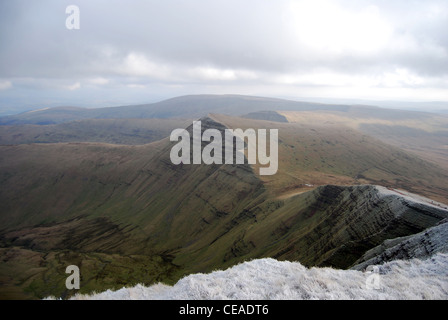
335,225
422,246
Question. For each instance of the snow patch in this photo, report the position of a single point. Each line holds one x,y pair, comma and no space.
411,197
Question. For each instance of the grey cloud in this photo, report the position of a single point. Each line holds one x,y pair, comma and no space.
210,42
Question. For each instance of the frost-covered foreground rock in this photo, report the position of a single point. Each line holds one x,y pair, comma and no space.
272,279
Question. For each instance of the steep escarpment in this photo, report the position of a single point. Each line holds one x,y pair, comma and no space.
421,245
335,225
84,200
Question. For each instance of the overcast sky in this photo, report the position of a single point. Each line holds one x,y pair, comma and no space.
132,51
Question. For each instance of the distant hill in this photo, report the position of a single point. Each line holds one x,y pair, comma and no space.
194,106
424,134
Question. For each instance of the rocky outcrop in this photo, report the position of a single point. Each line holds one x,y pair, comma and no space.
422,246
335,225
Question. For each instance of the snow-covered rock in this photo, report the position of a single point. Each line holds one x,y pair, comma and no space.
272,279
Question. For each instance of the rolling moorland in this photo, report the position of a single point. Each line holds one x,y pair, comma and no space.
96,188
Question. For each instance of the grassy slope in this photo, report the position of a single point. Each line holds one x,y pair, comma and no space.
315,153
424,134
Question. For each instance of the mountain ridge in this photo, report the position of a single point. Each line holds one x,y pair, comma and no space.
193,106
